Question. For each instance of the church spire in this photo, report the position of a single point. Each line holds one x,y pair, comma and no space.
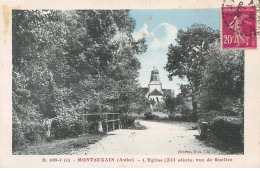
155,82
154,75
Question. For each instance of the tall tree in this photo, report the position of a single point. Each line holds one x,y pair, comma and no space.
223,81
187,58
67,62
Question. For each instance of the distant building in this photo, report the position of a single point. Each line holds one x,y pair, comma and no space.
154,91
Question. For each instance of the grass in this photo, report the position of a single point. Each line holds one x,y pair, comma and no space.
61,147
213,141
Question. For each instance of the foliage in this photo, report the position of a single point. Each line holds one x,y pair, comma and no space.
169,103
149,116
182,109
127,120
184,115
223,81
228,129
216,77
60,147
72,62
67,126
187,58
148,111
210,116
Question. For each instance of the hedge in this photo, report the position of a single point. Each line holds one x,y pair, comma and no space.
127,120
64,126
26,132
228,129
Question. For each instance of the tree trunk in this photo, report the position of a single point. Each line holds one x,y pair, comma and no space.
194,109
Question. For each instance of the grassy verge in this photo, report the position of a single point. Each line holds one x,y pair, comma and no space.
229,148
61,147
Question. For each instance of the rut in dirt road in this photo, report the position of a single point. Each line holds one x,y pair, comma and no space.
158,139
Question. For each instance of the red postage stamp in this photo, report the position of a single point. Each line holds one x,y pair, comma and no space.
239,27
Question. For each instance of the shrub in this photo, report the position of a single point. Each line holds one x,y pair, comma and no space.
209,117
26,132
185,110
179,117
176,117
67,126
185,115
156,116
157,107
34,131
127,120
18,138
228,129
149,116
182,113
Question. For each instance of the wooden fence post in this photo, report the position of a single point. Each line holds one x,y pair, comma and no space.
113,121
106,122
83,126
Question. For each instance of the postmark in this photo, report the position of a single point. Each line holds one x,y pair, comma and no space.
239,27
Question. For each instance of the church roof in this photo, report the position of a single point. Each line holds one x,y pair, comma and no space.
155,92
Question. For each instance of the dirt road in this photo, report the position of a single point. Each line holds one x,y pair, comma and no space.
159,138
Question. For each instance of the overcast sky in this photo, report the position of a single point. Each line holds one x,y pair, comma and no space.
160,28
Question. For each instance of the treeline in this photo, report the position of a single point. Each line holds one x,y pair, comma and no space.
215,76
67,63
214,94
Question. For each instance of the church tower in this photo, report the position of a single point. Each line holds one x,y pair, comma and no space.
155,82
154,90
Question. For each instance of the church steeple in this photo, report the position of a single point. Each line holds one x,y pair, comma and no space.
154,75
155,82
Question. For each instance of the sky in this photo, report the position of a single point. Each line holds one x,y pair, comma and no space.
160,28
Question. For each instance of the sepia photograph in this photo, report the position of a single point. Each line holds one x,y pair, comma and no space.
134,81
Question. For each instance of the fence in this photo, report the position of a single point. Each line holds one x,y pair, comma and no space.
111,120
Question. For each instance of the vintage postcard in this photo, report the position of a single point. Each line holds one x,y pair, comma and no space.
129,83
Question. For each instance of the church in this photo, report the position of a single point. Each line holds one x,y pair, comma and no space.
154,91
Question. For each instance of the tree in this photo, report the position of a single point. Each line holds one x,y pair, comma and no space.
223,82
187,58
71,62
169,103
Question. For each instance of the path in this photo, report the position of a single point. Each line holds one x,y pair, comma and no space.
159,139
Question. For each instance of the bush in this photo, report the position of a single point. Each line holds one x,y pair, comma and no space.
34,131
185,110
157,107
18,138
149,116
210,116
176,117
155,116
184,114
180,117
26,132
228,129
127,120
67,126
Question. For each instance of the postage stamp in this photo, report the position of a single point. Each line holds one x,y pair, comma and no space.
239,27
